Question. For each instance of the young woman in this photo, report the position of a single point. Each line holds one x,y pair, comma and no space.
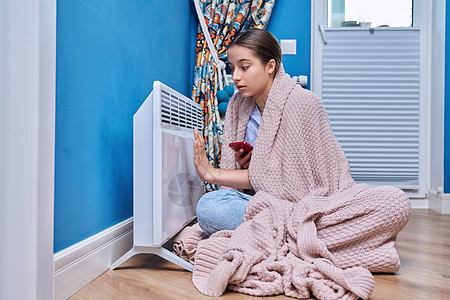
308,228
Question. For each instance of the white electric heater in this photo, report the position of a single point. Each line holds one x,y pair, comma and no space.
165,185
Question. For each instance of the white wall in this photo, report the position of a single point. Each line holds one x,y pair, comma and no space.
437,95
4,35
27,106
4,120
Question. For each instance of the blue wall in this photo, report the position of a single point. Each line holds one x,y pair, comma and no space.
447,101
292,20
108,55
109,52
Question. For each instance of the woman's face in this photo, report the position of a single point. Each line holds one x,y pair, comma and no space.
252,77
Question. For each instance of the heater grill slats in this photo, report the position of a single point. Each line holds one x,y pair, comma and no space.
180,112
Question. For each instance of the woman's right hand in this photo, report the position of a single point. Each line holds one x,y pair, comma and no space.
204,170
242,159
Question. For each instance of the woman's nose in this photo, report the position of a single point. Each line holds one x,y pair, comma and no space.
236,77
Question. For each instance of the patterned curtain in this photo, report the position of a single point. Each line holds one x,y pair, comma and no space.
224,19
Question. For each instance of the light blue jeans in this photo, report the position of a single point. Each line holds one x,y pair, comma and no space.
221,210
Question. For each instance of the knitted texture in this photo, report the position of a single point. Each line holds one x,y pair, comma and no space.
185,243
309,230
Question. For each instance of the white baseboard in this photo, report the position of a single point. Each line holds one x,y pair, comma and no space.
419,203
439,202
78,265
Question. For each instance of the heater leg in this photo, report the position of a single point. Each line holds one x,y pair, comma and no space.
166,254
124,257
160,251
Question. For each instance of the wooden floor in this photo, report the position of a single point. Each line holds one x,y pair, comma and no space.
423,245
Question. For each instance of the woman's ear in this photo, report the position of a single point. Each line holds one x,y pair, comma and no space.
271,66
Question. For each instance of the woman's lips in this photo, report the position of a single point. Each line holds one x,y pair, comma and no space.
240,87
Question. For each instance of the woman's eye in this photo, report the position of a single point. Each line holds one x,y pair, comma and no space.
244,67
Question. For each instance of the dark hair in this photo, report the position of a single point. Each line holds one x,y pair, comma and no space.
263,44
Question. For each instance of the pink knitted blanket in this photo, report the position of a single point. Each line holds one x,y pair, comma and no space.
309,230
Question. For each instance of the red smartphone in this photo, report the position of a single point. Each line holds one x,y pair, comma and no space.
236,146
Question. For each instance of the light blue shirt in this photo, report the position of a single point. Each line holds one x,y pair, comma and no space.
252,126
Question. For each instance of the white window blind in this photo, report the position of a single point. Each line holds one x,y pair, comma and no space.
371,89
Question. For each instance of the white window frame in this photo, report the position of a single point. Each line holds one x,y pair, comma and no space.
422,19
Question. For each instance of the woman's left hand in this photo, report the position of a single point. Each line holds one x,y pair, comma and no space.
204,170
242,159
